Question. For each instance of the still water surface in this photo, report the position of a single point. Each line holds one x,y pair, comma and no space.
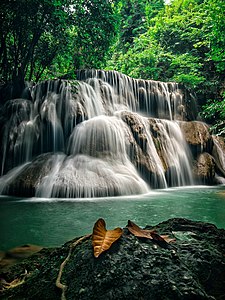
51,222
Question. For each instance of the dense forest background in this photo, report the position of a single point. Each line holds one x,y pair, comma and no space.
180,40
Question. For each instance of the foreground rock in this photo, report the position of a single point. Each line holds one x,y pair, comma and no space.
193,267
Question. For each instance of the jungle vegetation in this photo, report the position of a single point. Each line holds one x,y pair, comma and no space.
180,40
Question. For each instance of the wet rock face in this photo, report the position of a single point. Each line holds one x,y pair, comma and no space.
159,150
218,153
193,267
138,141
197,136
30,176
208,153
204,169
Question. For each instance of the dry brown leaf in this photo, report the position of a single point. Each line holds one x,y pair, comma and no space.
137,231
168,239
102,239
162,240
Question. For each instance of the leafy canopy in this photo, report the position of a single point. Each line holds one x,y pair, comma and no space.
42,39
182,42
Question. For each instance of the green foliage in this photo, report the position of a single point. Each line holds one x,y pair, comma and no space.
179,43
32,34
214,113
132,22
187,70
40,39
96,23
183,42
135,16
216,15
138,61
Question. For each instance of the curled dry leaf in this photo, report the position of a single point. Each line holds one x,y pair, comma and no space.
168,239
162,240
102,239
137,231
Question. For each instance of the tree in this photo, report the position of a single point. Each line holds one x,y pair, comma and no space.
96,23
47,38
214,113
193,32
135,18
215,12
183,43
32,33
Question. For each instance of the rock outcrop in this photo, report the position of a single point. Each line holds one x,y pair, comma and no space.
204,169
208,152
193,267
218,153
197,136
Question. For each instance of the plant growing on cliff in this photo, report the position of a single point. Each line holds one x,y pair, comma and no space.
214,113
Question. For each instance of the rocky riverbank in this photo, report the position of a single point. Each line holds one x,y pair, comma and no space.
192,267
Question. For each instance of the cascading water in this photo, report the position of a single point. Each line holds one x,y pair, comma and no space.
176,157
105,134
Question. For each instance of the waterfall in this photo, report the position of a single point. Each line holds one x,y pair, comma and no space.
154,98
174,152
104,134
97,164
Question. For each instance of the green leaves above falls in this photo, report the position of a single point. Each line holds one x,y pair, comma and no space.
105,134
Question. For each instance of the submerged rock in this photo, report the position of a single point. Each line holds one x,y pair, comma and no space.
193,267
17,254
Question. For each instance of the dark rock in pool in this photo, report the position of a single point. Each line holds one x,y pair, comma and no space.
193,267
15,255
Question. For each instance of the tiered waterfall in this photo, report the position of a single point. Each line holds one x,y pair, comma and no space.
104,134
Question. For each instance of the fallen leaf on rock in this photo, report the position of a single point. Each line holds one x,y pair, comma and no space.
162,240
137,231
102,239
168,239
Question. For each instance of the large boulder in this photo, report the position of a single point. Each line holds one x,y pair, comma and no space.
204,169
197,136
192,268
219,154
24,180
143,152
